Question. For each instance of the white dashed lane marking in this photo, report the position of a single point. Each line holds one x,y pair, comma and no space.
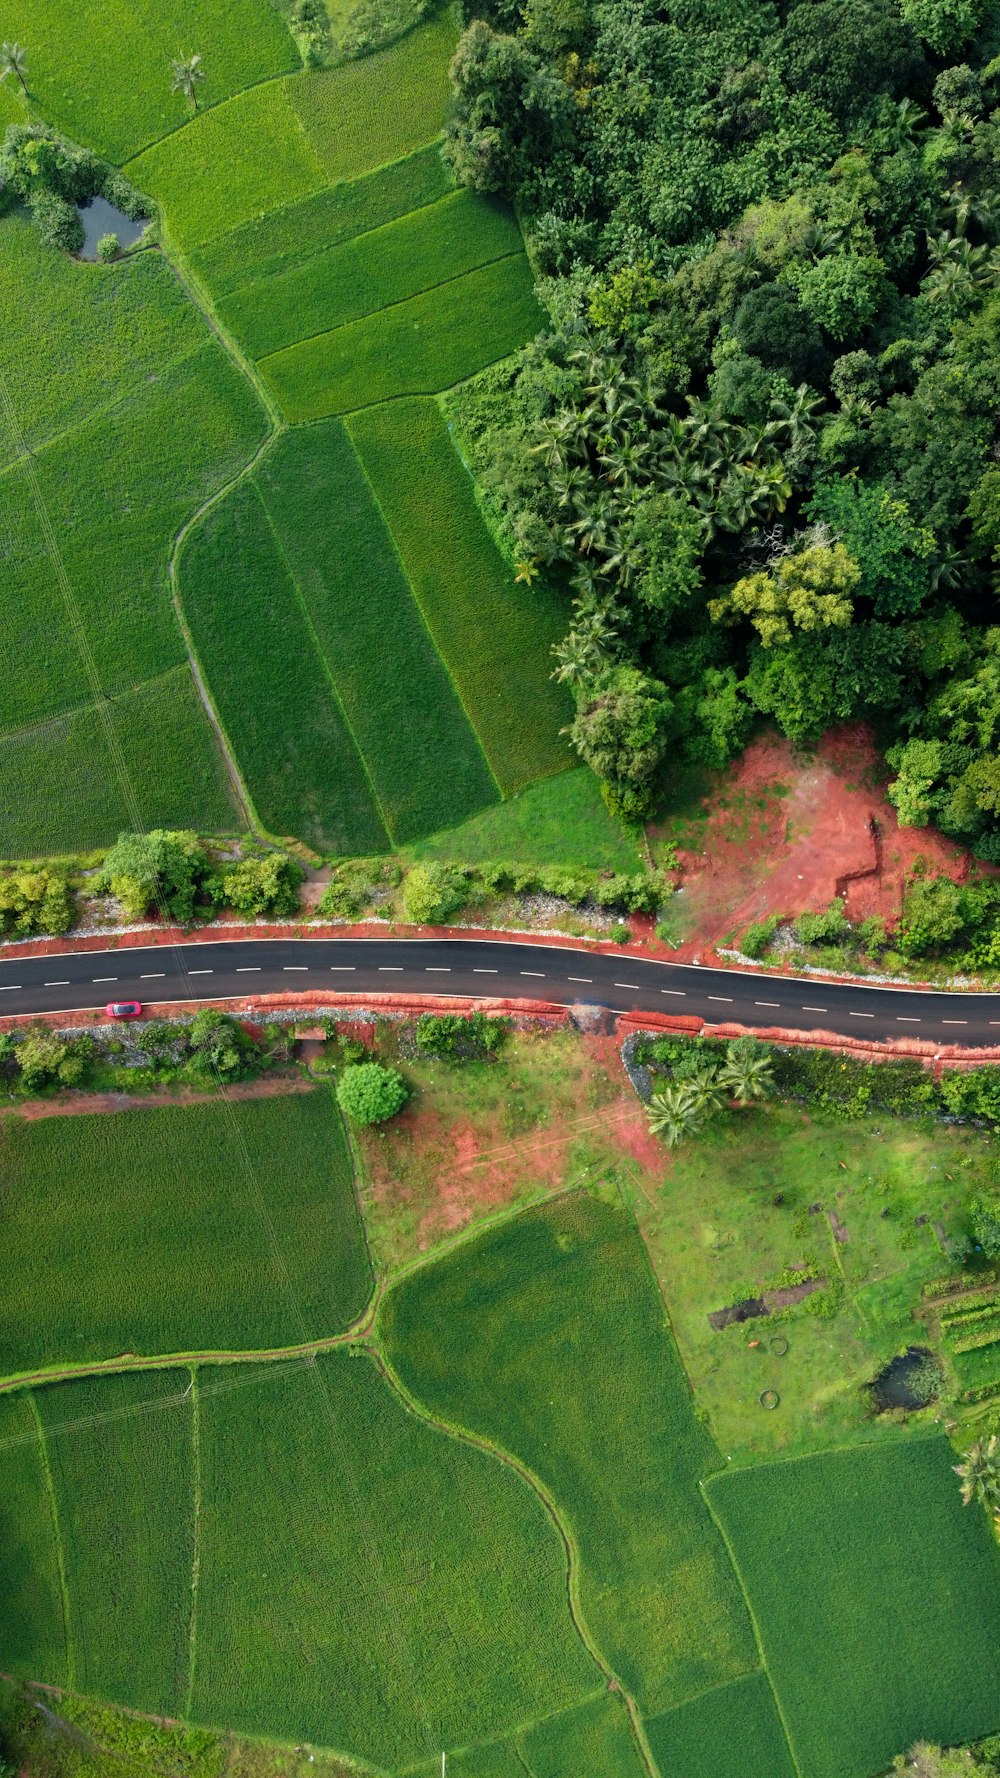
342,969
579,978
157,977
861,1015
903,1018
289,967
8,987
201,972
476,971
767,1003
814,1009
540,973
390,969
678,993
438,969
633,985
55,984
727,999
248,969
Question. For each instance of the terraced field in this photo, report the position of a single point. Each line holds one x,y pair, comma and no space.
358,669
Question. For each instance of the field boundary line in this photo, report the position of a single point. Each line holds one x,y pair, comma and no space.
322,657
322,333
71,710
57,1538
785,1729
203,110
198,296
162,1361
331,246
453,1429
195,1536
421,613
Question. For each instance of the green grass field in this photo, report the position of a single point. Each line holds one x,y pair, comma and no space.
559,820
370,112
208,1227
300,762
282,239
420,749
407,1592
494,635
374,270
417,347
547,1337
309,131
106,82
876,1598
32,1623
174,769
120,1452
734,1729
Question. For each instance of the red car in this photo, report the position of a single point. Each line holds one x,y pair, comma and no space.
123,1009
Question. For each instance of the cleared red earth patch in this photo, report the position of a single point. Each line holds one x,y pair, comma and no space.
784,832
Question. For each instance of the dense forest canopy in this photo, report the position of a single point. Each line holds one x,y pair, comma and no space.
761,442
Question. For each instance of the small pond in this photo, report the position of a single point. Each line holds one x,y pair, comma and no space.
911,1380
101,218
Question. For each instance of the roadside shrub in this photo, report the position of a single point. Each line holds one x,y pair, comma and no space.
340,900
431,892
758,936
369,1093
933,916
269,885
871,935
458,1038
620,934
34,901
156,870
828,928
220,1046
45,1059
973,1092
108,248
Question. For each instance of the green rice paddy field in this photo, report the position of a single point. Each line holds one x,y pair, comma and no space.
493,1524
374,671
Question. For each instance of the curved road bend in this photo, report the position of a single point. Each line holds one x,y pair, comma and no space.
243,968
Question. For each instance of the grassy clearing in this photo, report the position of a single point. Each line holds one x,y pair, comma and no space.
282,239
121,1459
716,1235
423,755
407,1592
734,1729
546,1335
108,83
367,113
205,181
486,1135
370,272
300,762
173,763
561,820
494,635
148,1232
88,337
415,348
31,1613
876,1597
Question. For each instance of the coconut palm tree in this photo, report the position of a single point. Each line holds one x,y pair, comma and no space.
14,60
746,1072
980,1473
675,1112
188,74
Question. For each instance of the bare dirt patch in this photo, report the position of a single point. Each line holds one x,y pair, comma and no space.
784,832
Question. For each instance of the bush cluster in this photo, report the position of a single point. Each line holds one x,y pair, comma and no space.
460,1038
432,891
175,874
33,902
370,1093
52,176
214,1047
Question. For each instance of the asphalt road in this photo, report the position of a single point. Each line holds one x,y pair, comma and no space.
245,968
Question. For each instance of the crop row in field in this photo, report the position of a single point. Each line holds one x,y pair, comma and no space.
494,634
547,1337
422,754
207,1227
385,266
592,1738
175,771
283,239
875,1597
297,755
733,1728
561,820
362,1580
109,84
309,131
417,347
